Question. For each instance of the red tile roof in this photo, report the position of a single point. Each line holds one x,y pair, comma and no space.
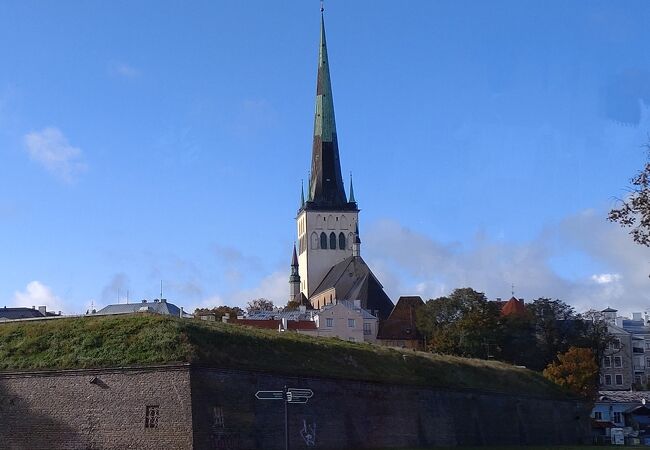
513,307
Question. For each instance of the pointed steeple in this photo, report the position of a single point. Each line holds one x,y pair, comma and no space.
302,194
294,266
326,189
352,199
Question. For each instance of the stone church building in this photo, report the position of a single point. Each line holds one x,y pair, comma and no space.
328,265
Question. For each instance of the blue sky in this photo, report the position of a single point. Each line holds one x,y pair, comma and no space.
143,141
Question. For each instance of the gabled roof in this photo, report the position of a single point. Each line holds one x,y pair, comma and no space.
349,305
353,280
157,307
19,313
401,324
608,309
623,396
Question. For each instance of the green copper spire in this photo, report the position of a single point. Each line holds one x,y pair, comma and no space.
326,189
352,199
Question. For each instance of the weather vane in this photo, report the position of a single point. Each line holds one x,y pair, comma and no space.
322,6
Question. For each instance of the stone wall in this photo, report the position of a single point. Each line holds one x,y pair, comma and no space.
203,408
95,409
355,415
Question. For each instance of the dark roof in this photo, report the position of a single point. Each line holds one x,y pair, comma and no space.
326,191
608,309
156,306
19,313
353,280
513,307
401,324
623,396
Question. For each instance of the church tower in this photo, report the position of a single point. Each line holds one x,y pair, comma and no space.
327,219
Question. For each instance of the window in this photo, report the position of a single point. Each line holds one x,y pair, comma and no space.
647,345
351,323
341,241
616,417
619,379
608,380
598,415
616,344
217,416
647,362
151,416
332,241
330,322
367,329
323,241
607,361
618,361
637,380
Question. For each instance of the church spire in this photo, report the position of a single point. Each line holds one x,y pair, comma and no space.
326,189
352,199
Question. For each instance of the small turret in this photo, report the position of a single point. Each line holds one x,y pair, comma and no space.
356,245
294,278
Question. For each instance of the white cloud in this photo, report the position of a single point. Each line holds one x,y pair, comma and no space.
605,278
409,262
124,70
51,149
38,294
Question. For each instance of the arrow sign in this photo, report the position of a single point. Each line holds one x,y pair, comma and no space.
269,395
298,400
300,393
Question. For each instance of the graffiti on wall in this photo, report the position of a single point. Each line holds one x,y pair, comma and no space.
308,433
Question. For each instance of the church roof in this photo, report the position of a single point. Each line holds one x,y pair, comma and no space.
513,307
353,280
401,324
326,191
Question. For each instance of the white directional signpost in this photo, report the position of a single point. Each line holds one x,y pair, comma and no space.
289,395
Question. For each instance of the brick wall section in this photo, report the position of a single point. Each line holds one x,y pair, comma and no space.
355,415
205,409
64,410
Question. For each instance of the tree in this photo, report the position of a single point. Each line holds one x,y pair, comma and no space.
596,334
465,323
557,327
635,210
575,370
220,311
292,305
259,304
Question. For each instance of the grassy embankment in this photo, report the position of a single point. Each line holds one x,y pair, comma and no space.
152,339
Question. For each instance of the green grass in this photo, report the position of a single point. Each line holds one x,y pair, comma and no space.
151,339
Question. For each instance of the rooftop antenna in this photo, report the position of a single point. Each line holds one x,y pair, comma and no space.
513,289
161,289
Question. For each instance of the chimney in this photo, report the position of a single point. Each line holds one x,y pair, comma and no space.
302,308
284,324
163,300
155,300
498,299
357,304
144,301
635,316
42,310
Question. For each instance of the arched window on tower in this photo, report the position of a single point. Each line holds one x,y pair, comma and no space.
344,223
332,241
323,241
314,241
330,222
341,241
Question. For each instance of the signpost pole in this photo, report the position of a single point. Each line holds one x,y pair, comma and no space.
286,418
